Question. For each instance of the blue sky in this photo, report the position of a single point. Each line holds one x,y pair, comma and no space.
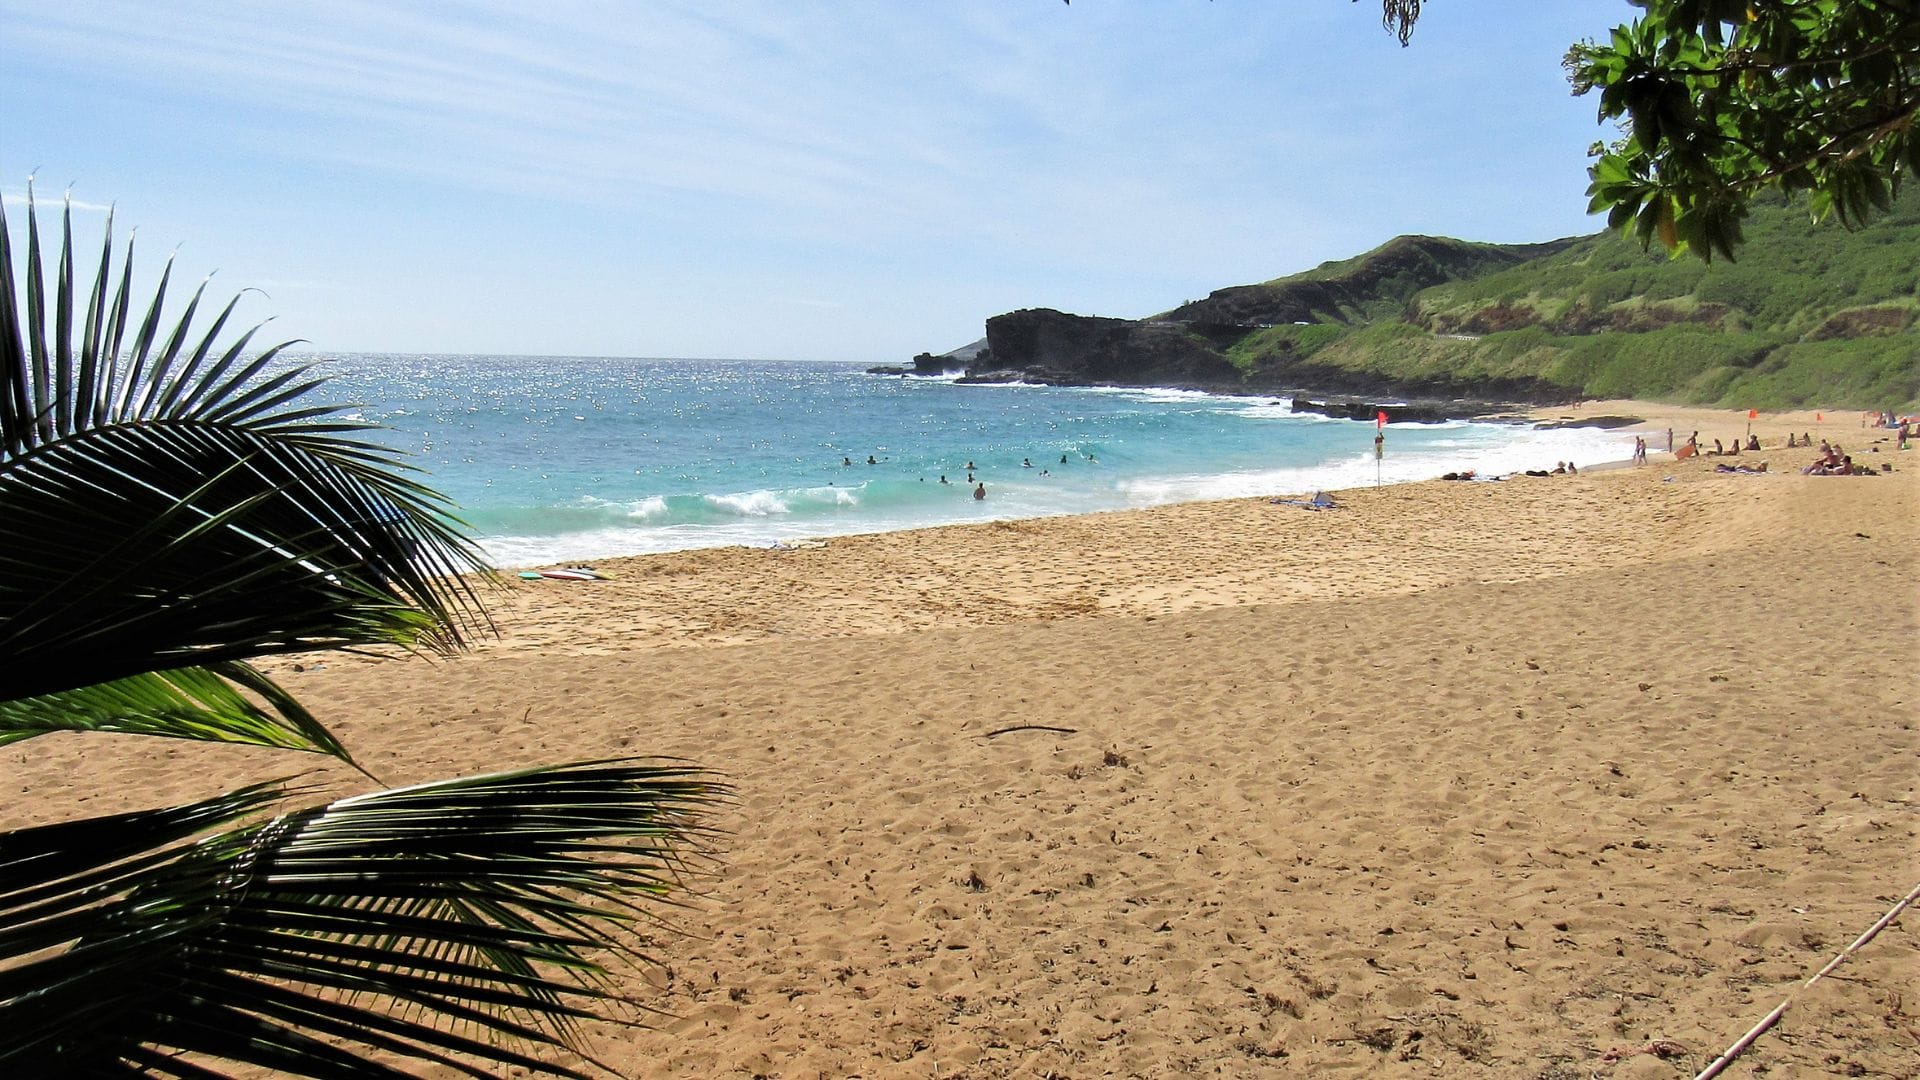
847,180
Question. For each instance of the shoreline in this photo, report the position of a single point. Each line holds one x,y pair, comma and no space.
1649,417
1056,565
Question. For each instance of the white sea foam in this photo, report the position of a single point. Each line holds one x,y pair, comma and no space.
650,508
750,503
1277,410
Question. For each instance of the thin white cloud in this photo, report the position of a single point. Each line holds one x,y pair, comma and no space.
776,107
55,202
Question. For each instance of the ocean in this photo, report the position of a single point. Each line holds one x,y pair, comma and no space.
569,459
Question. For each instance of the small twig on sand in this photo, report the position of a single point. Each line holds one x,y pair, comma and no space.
1033,727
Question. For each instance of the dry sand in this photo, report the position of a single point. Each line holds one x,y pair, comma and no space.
1546,778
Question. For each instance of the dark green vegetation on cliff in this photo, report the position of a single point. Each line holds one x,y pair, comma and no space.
1811,314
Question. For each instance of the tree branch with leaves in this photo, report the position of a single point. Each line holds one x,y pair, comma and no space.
1720,99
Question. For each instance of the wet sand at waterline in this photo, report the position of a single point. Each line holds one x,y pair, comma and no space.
1548,778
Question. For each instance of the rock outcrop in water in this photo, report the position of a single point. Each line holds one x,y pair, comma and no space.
1046,346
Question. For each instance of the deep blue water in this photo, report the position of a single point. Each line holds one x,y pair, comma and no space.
571,458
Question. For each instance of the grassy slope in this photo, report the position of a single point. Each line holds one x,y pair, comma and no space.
1810,314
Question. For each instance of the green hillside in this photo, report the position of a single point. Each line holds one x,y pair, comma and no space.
1809,315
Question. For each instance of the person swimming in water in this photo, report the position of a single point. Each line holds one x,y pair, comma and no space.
980,492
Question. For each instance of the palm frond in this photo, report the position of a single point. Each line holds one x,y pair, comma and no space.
453,922
188,703
182,505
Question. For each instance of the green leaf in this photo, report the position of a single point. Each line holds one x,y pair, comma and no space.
452,922
184,703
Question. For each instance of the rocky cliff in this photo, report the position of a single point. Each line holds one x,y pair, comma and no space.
1377,283
1191,345
1810,314
1046,346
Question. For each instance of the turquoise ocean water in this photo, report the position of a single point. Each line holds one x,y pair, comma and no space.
563,459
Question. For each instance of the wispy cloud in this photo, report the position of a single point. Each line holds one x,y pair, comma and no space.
44,201
915,125
646,159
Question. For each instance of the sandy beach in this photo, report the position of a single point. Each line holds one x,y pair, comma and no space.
1553,777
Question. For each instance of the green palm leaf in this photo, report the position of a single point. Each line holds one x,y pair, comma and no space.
177,505
488,908
193,703
170,509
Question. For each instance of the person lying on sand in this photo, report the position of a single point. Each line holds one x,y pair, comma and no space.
1833,461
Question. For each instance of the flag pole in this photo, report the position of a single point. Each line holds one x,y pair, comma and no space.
1379,443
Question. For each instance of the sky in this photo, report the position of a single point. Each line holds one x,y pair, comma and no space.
849,180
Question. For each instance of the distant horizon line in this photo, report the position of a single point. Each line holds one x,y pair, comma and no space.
326,353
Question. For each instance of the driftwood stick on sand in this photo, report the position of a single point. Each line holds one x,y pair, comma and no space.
1740,1045
1032,727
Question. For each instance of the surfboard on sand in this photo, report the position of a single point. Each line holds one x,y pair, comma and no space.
566,573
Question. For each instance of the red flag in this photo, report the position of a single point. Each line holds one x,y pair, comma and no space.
1753,414
1380,420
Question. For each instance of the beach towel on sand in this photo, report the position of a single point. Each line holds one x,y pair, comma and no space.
1320,501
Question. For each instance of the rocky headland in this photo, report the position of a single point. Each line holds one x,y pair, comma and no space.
1458,328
